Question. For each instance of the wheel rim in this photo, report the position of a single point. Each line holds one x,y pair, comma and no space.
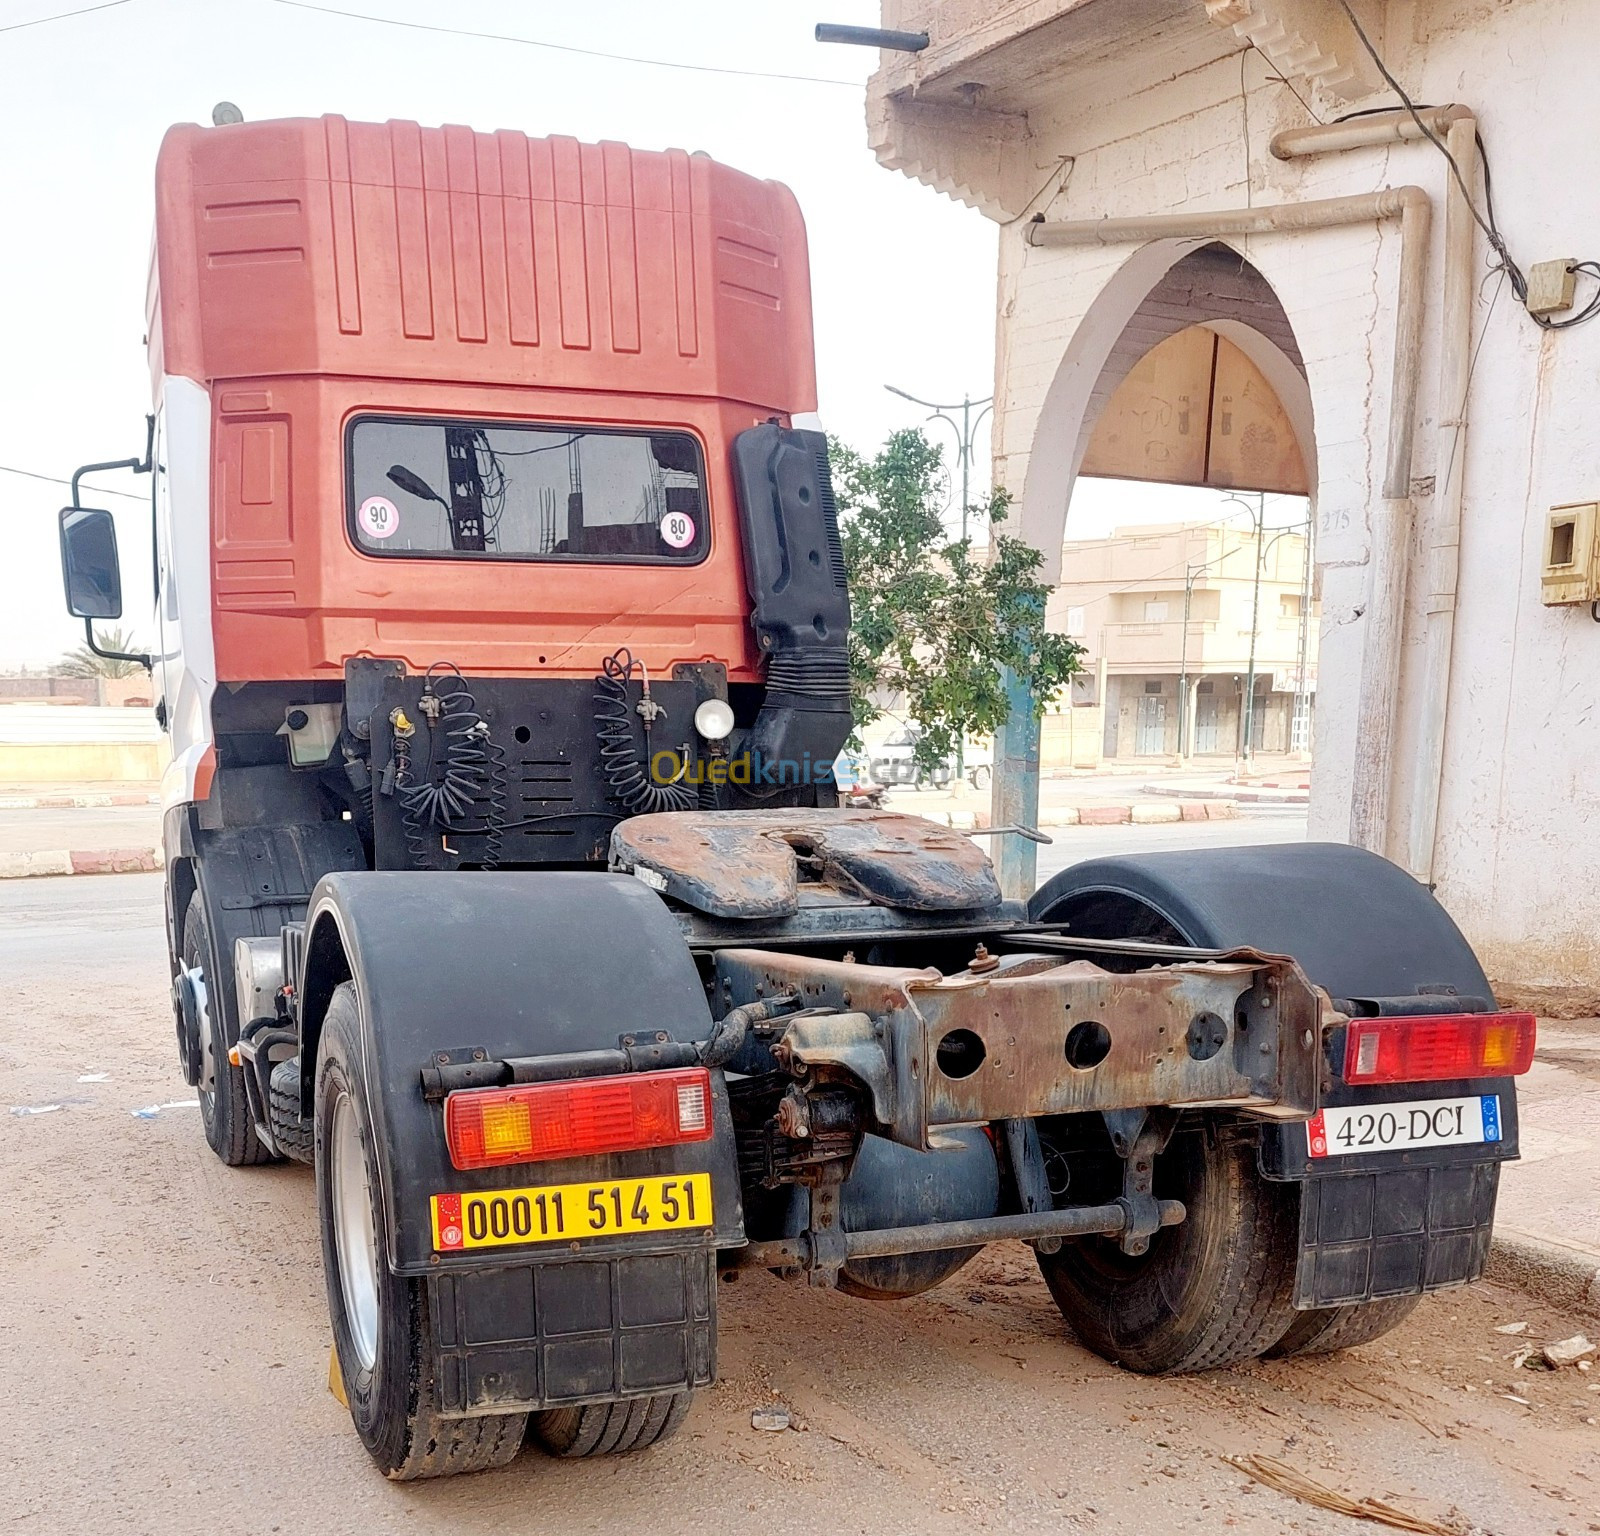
353,1240
196,977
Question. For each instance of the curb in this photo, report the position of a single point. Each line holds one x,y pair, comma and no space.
1561,1274
72,802
1150,813
92,861
1237,795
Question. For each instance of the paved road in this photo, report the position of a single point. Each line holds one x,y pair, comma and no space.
1074,843
164,1345
139,826
111,826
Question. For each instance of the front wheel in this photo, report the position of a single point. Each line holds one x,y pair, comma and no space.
382,1333
224,1108
1212,1291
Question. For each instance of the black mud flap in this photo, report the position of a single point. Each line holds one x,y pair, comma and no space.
1393,1223
1388,1224
511,965
548,1335
1368,1235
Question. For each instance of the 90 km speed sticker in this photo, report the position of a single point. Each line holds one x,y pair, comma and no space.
379,517
1356,1128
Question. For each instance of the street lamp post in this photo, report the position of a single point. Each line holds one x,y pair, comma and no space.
964,431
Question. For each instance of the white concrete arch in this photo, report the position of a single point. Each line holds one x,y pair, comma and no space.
1061,431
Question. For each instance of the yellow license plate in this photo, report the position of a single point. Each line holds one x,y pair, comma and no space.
563,1213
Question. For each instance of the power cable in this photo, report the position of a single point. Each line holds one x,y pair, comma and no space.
1485,220
39,21
591,53
30,474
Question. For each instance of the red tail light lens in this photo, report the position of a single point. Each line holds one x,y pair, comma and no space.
487,1127
1433,1047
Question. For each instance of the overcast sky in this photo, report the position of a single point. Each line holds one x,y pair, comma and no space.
903,278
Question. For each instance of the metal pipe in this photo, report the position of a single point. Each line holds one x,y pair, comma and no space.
1080,1221
1443,543
1372,128
1408,204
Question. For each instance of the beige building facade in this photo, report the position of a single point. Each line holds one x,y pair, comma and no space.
1166,613
1244,166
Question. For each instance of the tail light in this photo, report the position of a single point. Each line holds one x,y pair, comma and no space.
1433,1047
486,1127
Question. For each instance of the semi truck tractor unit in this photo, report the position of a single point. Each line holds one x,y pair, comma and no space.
502,644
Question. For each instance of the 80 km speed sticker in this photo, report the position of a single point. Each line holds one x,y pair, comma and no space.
379,517
677,530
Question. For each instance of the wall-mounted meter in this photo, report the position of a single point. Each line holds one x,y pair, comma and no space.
1571,571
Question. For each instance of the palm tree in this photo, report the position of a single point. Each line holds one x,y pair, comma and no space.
83,662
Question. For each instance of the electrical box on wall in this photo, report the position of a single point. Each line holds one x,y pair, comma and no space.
1571,571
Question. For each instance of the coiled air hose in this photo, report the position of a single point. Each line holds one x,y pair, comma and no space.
467,768
627,780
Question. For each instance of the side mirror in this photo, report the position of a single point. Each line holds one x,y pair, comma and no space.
89,568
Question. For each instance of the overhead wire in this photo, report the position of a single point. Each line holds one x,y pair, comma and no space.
39,21
1485,219
592,53
33,474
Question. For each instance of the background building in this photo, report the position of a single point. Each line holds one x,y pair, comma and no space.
1166,615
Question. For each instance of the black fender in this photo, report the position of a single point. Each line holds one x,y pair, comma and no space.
515,964
1378,942
1360,927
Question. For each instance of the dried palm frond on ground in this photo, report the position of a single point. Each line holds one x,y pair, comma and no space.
1285,1479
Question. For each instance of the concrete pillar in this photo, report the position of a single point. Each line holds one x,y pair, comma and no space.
1016,790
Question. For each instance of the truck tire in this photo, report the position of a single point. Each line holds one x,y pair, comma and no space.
1322,1330
225,1111
382,1333
600,1429
1212,1291
295,1139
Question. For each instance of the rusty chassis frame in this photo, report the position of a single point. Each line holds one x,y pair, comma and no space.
1023,1036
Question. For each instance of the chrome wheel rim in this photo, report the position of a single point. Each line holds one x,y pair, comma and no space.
354,1244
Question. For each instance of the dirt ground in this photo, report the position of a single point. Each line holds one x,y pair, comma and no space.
164,1350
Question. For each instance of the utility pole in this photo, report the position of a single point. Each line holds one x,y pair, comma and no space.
964,431
1259,514
1300,689
1190,572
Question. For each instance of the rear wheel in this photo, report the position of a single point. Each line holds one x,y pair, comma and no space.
1322,1330
224,1109
295,1138
1213,1290
599,1429
382,1333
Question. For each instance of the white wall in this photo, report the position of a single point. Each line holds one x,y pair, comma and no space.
1520,815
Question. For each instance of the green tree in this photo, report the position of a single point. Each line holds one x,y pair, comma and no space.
82,662
936,620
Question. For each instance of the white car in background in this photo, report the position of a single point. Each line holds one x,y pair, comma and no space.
892,763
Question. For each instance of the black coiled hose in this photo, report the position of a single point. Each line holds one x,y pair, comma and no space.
468,773
627,779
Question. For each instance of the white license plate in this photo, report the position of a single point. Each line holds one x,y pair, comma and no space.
1358,1128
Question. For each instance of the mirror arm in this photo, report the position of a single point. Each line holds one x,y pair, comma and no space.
138,466
145,660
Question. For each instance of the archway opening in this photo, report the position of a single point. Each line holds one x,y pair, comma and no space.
1187,562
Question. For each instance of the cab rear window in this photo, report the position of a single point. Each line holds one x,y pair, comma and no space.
488,490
